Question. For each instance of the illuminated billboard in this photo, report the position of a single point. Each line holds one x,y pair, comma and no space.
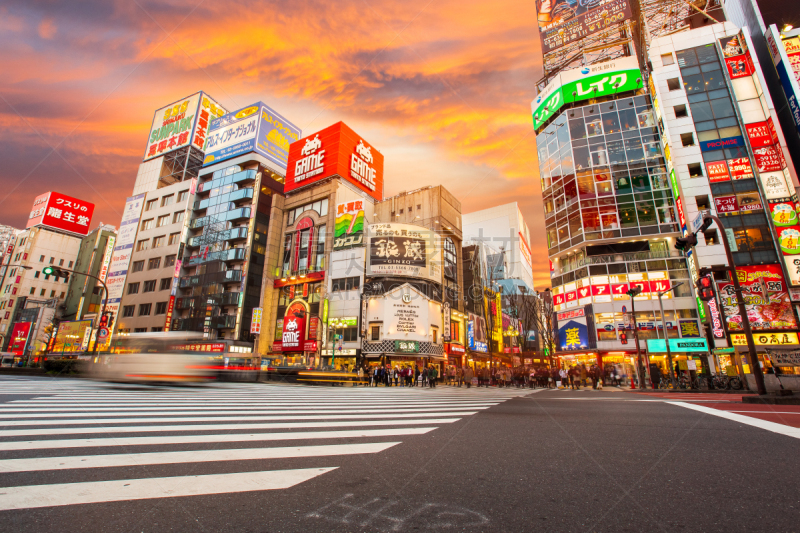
404,250
565,21
182,123
255,128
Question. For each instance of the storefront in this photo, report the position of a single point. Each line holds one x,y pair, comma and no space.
688,355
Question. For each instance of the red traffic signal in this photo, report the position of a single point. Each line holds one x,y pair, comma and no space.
104,321
705,288
623,337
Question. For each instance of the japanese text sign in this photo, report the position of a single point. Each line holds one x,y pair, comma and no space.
62,212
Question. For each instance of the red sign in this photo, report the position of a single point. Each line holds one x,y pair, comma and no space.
759,134
335,151
56,210
216,347
772,133
769,159
619,288
739,66
571,296
455,349
679,207
774,312
740,168
294,328
601,290
566,315
170,309
558,299
726,204
660,285
309,346
313,327
643,285
717,171
309,278
584,292
19,338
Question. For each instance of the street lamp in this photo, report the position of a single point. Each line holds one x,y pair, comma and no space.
633,292
666,335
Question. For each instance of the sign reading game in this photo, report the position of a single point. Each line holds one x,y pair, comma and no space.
335,151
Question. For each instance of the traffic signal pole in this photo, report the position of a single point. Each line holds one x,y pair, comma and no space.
56,270
751,346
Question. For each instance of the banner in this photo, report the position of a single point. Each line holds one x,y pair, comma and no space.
765,312
562,22
404,250
349,225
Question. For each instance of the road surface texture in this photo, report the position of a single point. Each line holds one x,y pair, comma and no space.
77,455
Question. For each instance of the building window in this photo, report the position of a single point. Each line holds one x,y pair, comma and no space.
151,204
435,335
153,263
702,202
41,293
61,295
375,333
320,206
156,330
149,286
174,238
168,200
161,308
178,217
401,211
681,111
304,251
419,206
159,241
52,294
667,59
140,330
687,139
319,253
695,170
711,237
41,259
144,309
61,262
345,284
70,264
169,260
674,84
183,195
348,334
52,260
143,245
138,266
147,224
36,274
165,284
133,288
163,220
33,290
127,310
287,253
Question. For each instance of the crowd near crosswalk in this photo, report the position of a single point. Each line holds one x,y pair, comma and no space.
82,426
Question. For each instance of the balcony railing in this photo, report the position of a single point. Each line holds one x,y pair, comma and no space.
222,322
227,235
233,254
617,258
225,276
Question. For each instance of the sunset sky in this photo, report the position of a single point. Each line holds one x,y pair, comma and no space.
442,88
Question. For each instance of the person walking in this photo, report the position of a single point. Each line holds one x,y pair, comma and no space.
564,378
468,376
573,378
583,374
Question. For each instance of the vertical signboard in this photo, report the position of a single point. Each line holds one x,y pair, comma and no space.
118,268
255,323
19,338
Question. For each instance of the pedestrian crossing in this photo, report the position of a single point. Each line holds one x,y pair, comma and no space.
82,427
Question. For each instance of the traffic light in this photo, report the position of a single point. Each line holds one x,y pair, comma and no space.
104,321
682,243
623,337
705,288
57,272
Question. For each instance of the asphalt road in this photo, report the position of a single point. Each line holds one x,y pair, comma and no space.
83,456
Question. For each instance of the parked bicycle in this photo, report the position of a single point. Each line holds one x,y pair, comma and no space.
721,381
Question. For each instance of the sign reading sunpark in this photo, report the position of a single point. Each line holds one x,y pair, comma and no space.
594,81
182,123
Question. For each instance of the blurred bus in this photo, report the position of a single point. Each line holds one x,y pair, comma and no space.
164,357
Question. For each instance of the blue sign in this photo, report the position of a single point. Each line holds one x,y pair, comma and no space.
718,144
677,345
573,336
471,334
481,347
255,128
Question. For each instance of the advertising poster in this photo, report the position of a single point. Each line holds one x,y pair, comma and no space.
562,21
726,204
774,185
773,312
255,128
759,134
294,327
769,159
717,171
689,328
786,72
180,124
19,338
69,337
404,250
349,226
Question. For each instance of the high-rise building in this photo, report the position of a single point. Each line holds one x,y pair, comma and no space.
85,295
728,156
610,212
503,228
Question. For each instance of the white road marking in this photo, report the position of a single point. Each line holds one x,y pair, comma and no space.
163,458
216,427
52,413
748,420
201,439
33,496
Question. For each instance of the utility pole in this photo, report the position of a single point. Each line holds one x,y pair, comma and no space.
639,363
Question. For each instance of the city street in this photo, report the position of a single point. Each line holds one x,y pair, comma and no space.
77,455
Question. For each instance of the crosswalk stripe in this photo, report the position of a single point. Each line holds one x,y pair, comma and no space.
203,439
33,496
127,419
196,407
163,458
71,414
217,427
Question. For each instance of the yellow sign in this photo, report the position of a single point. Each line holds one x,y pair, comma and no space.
499,321
765,339
70,336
